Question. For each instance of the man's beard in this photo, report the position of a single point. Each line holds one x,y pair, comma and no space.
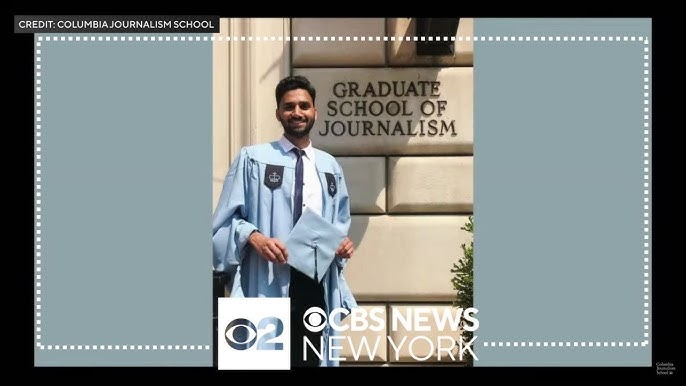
298,132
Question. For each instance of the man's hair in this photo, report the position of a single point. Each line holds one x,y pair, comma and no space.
293,83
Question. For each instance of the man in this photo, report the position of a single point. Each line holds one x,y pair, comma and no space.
259,205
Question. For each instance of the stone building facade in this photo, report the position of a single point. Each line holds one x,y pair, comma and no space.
400,124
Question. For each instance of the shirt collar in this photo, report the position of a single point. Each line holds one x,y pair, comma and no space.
287,145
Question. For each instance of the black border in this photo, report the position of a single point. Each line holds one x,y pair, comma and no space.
665,334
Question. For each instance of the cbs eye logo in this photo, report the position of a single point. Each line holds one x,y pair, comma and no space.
314,319
241,334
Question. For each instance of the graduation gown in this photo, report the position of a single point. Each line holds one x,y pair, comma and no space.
257,195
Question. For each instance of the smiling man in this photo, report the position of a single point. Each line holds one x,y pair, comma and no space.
267,188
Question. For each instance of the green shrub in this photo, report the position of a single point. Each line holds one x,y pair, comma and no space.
463,281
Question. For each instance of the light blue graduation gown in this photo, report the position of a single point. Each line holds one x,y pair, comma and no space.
247,203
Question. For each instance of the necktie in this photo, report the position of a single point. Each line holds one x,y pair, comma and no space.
298,189
303,291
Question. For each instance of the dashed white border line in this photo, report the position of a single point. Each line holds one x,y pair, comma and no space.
38,195
215,37
38,229
646,191
124,347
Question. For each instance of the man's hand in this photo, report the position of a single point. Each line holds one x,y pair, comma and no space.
270,249
346,249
